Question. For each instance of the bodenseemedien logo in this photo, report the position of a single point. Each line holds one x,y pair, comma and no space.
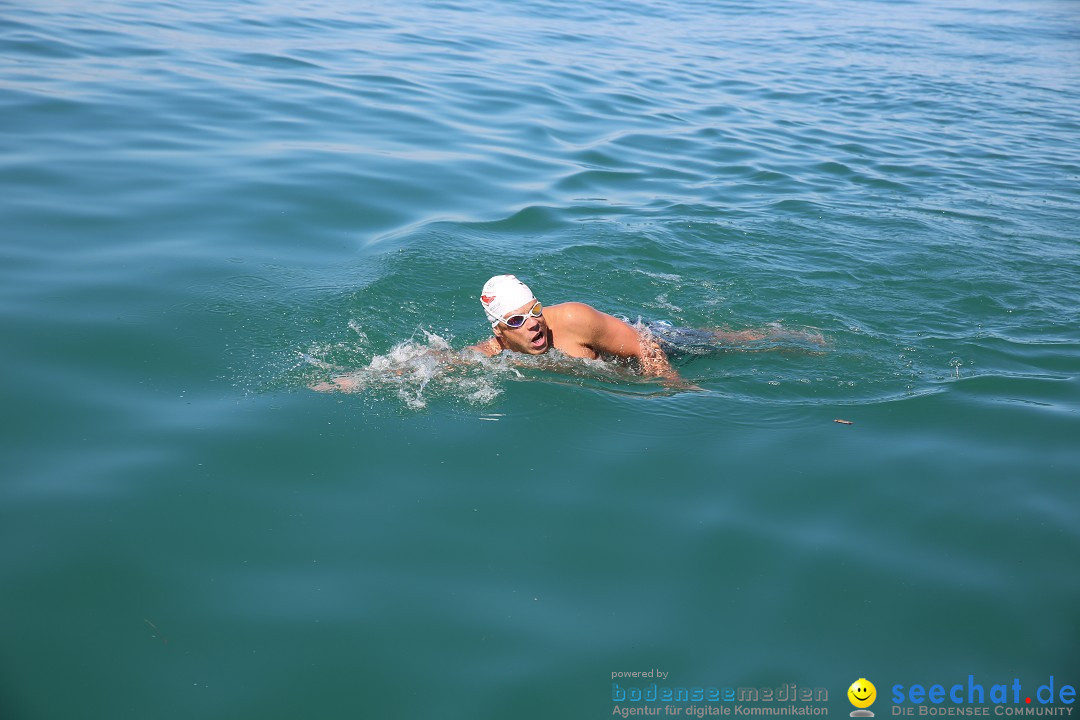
862,695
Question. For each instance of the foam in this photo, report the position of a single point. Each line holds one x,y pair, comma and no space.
418,370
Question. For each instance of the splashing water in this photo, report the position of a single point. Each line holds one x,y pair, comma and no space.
413,371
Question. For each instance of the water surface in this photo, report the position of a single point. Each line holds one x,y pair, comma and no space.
208,207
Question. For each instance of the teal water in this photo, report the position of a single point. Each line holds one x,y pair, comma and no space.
209,206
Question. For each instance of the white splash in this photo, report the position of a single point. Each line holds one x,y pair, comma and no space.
418,370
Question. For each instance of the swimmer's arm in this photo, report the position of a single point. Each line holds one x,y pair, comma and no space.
610,335
451,361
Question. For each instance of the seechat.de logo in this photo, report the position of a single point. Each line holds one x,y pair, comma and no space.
862,695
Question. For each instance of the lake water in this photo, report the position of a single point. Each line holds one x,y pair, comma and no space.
208,207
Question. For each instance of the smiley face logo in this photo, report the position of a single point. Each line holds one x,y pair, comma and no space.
862,694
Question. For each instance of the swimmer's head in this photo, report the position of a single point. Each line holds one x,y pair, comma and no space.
516,317
504,293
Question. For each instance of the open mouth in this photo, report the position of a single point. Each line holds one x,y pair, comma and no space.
539,341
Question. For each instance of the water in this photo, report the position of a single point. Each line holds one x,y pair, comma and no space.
209,207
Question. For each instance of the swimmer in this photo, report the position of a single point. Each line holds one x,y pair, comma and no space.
519,323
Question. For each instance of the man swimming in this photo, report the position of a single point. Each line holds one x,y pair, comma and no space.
520,323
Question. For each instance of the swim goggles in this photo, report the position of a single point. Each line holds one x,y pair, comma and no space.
516,321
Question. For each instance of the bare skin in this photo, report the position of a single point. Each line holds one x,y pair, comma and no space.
581,331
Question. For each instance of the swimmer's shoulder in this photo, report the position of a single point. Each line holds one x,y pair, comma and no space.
571,316
569,309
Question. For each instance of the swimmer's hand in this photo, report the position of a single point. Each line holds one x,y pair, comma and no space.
343,383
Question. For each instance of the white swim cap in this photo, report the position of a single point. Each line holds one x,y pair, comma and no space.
504,293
